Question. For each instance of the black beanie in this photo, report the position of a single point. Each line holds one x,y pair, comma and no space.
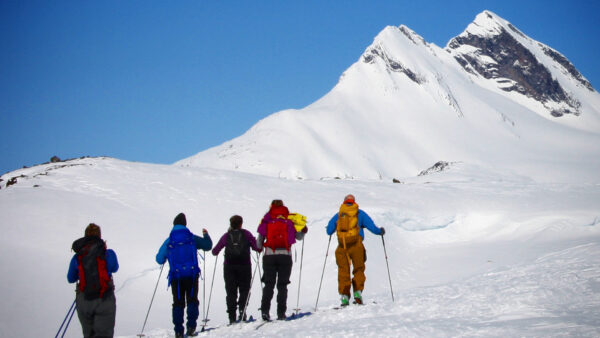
180,219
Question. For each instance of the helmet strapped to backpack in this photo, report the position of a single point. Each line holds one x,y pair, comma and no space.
94,280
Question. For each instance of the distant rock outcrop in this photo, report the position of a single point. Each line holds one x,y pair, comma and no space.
436,168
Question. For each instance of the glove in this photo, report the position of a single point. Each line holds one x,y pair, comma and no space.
382,231
305,229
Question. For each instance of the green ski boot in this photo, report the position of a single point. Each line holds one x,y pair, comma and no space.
358,297
345,300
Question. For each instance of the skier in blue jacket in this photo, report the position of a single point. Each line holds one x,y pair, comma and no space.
348,224
181,251
95,298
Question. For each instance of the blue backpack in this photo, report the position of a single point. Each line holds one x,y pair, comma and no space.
182,255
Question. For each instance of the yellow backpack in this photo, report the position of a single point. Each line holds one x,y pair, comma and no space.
299,221
347,229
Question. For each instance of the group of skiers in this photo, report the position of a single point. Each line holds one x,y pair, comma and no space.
93,264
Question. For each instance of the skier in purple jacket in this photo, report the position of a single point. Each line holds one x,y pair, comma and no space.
277,259
237,269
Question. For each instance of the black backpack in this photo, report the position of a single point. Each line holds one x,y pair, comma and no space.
237,249
94,281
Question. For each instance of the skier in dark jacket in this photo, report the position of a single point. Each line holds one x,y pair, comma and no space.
181,251
95,299
237,268
277,258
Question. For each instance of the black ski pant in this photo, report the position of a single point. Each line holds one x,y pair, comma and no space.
237,281
277,270
97,316
185,290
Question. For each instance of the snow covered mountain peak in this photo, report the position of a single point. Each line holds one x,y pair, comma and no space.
487,23
492,97
494,49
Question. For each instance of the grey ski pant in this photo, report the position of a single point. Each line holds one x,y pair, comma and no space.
97,316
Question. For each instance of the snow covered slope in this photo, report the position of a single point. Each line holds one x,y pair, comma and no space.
501,237
472,250
494,97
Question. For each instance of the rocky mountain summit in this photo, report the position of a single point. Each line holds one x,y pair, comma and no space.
493,48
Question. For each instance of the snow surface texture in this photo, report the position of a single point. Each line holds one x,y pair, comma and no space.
472,251
498,236
406,104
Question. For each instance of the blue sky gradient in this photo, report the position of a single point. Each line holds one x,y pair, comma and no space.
156,81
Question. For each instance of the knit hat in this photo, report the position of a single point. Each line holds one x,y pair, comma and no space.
180,219
92,230
349,199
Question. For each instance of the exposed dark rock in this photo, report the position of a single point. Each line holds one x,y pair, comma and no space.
556,56
13,180
391,64
515,62
412,36
395,180
438,167
54,159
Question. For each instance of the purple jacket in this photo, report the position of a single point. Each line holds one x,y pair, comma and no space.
223,241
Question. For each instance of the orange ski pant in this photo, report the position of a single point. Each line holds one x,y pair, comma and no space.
354,254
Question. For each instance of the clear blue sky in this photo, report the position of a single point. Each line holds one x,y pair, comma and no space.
158,81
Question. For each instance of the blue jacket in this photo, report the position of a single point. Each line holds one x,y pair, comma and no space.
112,265
202,243
364,221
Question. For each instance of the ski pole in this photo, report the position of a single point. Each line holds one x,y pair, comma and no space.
326,254
151,301
251,283
69,322
203,285
210,295
258,265
64,320
388,267
257,260
300,278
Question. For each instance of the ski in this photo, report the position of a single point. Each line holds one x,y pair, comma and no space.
263,323
287,319
298,315
249,320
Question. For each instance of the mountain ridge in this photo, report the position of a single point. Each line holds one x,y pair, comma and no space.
407,104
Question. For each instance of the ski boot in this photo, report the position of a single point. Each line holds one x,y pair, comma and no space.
345,300
191,332
358,297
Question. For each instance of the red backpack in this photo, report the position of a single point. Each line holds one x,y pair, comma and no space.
277,234
94,281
